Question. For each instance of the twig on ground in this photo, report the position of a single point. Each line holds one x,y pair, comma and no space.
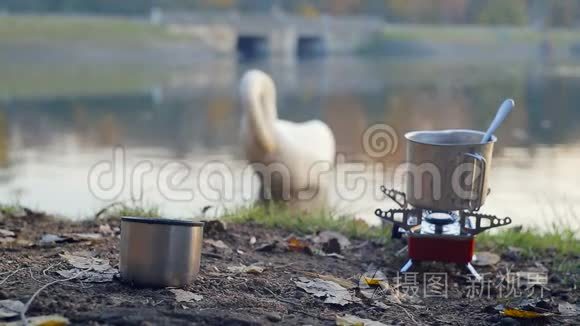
29,302
106,208
407,313
44,272
281,299
212,255
308,314
49,268
32,275
283,266
401,251
10,275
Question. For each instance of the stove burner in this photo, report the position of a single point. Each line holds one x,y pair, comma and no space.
441,223
440,218
446,236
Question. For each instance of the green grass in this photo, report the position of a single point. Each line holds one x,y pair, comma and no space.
98,31
274,216
562,242
117,210
10,209
477,34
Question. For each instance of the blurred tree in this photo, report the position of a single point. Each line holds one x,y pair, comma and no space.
564,13
502,12
540,13
219,4
307,10
342,7
452,11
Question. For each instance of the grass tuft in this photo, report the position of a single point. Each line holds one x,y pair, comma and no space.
563,241
10,209
277,216
117,210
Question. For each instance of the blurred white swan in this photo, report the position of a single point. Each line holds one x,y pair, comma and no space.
301,153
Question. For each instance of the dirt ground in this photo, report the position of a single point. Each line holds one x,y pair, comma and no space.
271,296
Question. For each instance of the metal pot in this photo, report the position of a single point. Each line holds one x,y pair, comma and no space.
448,169
160,252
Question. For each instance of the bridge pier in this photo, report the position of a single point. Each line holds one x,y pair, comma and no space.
277,42
310,47
252,46
259,35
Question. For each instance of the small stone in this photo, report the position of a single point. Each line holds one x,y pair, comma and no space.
273,317
331,247
543,304
486,258
513,253
267,247
493,319
51,239
213,229
508,321
555,278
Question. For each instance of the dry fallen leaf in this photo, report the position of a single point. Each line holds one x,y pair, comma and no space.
7,240
333,292
216,243
350,320
85,236
50,320
568,309
518,313
85,260
373,278
51,239
486,258
295,244
342,282
6,233
185,296
252,269
10,308
96,270
88,276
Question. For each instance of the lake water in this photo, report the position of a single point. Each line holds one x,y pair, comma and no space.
58,122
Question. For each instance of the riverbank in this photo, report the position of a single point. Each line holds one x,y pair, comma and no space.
263,266
108,33
460,41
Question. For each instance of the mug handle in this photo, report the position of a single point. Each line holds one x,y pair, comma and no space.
479,159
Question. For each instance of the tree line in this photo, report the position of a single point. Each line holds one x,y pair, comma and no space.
540,13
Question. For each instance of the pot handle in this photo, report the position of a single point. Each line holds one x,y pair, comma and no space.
479,160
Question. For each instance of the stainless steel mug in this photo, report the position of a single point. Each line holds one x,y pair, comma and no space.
160,252
448,169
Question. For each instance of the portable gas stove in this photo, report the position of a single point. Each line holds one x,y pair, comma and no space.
443,236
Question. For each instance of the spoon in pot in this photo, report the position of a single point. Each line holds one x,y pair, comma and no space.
503,111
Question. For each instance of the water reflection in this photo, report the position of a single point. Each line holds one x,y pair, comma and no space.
190,114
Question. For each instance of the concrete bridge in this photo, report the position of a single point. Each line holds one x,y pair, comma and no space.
274,34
